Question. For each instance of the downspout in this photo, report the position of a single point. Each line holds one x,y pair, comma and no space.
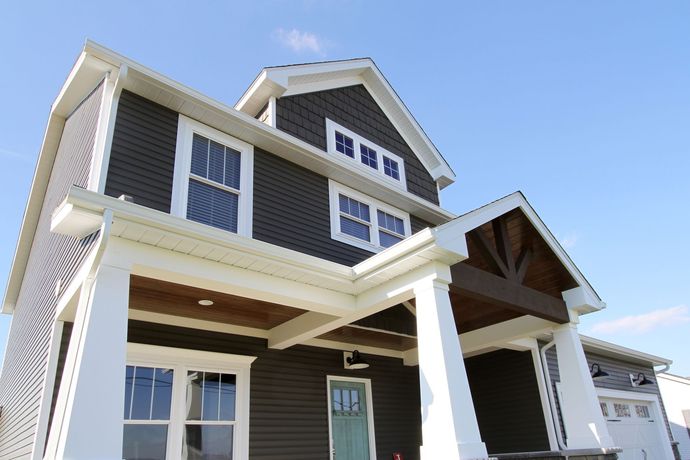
104,237
664,370
551,396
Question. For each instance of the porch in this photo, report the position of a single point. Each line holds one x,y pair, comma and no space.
458,308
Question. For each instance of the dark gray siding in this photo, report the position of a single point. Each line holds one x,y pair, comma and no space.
142,158
62,356
509,410
291,209
289,415
53,257
304,116
618,378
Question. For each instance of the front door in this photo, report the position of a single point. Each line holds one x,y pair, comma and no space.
349,423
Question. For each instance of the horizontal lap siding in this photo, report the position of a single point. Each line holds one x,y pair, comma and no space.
291,209
289,419
509,410
304,116
53,257
142,157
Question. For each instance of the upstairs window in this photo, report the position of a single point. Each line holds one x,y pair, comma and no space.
366,155
213,178
363,222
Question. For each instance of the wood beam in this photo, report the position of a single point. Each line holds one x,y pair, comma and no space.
503,245
488,252
487,287
522,264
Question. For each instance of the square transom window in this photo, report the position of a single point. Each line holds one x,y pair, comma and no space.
344,144
368,156
213,178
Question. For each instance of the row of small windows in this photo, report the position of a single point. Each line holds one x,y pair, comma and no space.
367,155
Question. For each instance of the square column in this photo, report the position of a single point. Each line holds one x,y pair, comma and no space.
449,422
584,423
88,416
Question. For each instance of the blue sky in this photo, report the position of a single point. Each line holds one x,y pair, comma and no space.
583,105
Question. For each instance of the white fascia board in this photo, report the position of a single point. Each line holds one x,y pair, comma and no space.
487,213
612,349
300,79
165,91
85,75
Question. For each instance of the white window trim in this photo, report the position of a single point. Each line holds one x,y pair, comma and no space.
332,127
186,128
182,359
334,189
370,413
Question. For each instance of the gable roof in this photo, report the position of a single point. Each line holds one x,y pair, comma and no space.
306,78
589,301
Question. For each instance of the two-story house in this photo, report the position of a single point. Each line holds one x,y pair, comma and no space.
277,280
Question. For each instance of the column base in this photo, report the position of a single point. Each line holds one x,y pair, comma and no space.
463,451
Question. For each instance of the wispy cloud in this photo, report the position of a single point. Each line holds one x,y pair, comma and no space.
300,41
569,240
15,155
639,324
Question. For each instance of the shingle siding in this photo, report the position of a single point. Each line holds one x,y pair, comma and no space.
142,157
289,413
304,116
53,257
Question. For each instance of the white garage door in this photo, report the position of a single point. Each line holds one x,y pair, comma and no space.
633,425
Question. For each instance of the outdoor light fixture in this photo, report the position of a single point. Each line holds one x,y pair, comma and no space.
205,302
640,380
597,373
355,361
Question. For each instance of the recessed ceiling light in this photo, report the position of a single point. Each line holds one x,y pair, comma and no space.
206,302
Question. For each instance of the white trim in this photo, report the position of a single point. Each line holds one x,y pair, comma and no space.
358,141
41,432
543,394
334,189
620,351
181,360
183,158
370,413
656,407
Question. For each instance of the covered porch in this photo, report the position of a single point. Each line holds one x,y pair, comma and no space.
447,320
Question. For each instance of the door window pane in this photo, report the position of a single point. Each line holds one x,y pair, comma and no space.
208,442
144,442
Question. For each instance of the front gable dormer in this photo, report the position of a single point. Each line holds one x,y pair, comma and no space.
308,100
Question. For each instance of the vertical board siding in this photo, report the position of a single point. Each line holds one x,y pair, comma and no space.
53,258
507,401
618,378
142,157
304,116
292,210
288,408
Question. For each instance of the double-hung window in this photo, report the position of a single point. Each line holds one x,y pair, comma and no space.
213,178
361,221
185,404
365,155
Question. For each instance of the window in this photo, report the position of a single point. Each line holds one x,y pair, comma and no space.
641,411
213,178
361,221
604,409
366,155
622,410
185,404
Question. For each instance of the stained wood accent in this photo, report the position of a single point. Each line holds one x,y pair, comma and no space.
487,287
503,245
471,314
488,252
522,263
358,336
158,296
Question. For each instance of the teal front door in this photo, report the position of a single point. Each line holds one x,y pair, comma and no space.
349,423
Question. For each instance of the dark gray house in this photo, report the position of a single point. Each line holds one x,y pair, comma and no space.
277,280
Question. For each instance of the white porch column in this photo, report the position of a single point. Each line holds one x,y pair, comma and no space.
88,419
584,423
449,423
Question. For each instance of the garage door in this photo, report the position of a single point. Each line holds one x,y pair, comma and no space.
634,427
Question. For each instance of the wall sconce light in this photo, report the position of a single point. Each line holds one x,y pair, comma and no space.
354,360
640,380
597,373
